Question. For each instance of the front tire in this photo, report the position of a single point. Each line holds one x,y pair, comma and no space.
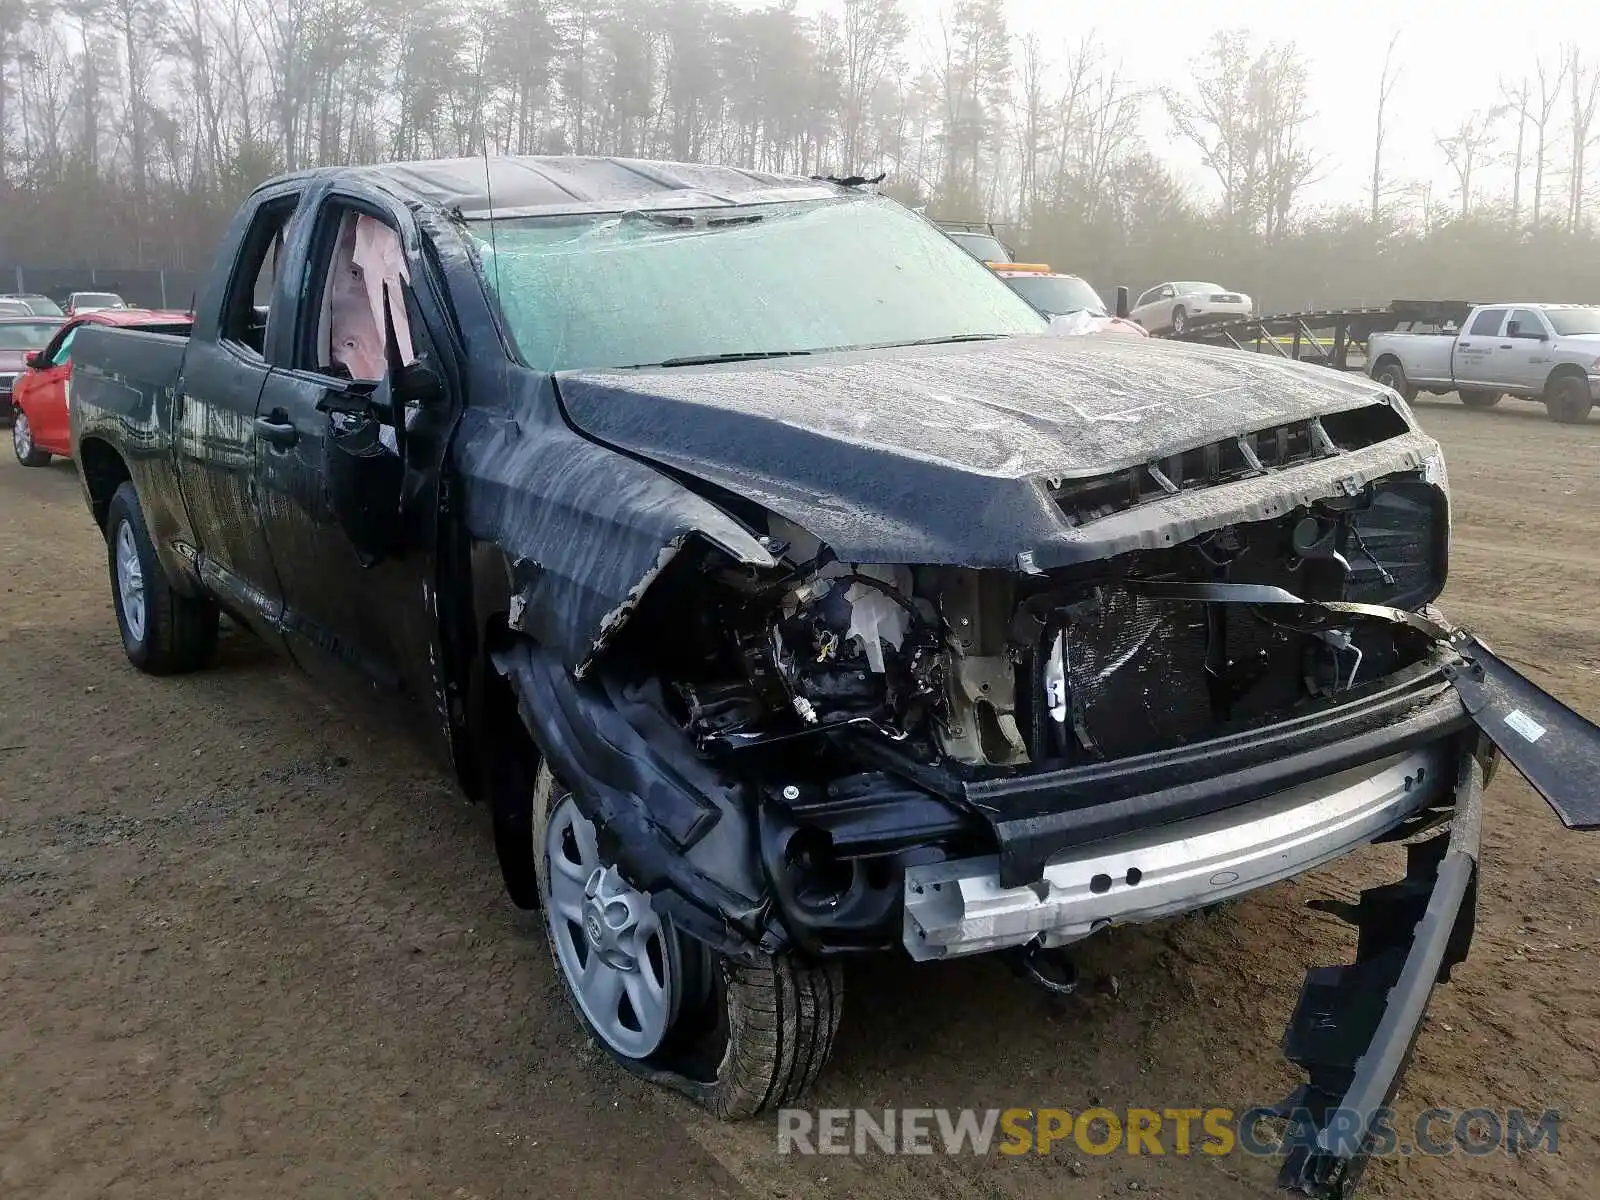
738,1039
1479,401
1567,400
1180,321
22,443
163,631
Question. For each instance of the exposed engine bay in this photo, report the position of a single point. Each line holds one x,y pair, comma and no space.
990,669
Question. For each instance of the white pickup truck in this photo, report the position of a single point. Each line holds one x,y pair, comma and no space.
1548,352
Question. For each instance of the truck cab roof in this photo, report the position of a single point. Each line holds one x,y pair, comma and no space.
1536,305
540,185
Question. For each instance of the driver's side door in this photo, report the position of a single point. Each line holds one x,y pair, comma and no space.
42,390
349,523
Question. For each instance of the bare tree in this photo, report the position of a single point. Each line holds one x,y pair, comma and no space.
87,15
100,164
1465,148
138,24
13,16
1386,82
1550,80
1246,112
1517,97
1031,119
974,78
1584,81
873,32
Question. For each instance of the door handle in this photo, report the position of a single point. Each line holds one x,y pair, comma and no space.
1507,346
1463,345
277,429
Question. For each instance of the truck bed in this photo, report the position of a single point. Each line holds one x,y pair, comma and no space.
1426,357
128,372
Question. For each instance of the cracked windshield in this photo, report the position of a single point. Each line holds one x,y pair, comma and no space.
653,288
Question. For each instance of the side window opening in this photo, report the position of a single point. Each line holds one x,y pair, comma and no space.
249,302
366,279
1487,323
1528,324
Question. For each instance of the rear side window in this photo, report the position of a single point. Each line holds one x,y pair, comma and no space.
1487,323
249,301
64,350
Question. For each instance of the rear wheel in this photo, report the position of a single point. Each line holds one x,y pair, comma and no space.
1479,400
737,1038
163,631
1567,400
1180,321
1391,374
28,454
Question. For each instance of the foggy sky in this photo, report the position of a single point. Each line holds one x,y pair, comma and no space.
1453,56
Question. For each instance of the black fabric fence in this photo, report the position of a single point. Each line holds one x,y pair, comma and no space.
143,288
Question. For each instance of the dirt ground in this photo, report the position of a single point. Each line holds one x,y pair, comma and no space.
251,945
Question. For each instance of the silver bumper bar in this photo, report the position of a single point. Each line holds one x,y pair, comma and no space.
954,908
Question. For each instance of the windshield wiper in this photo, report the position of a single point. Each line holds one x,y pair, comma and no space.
938,341
959,337
701,360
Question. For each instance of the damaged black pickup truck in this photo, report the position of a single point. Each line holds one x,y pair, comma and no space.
787,590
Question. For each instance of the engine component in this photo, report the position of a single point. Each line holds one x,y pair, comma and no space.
1144,652
979,724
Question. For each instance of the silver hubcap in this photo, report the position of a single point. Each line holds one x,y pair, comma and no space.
130,581
619,959
21,435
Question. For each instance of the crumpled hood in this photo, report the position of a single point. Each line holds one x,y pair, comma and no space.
944,453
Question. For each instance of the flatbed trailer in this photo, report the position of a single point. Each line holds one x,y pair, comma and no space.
1327,336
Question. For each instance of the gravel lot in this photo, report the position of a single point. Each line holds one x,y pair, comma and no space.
253,945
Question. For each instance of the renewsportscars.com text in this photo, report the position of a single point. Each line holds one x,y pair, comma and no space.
1214,1131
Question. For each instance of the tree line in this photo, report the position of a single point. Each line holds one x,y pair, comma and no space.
130,129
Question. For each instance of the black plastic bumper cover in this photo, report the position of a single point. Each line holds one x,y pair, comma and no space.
1355,1025
1036,815
654,801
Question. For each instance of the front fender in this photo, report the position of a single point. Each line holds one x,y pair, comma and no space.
586,529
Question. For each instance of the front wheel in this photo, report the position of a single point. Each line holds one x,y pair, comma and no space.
1180,321
1479,400
738,1039
163,631
22,444
1567,400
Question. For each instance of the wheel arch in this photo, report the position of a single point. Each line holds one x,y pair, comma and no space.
496,757
1562,371
102,470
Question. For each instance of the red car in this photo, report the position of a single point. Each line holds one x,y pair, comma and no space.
39,429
